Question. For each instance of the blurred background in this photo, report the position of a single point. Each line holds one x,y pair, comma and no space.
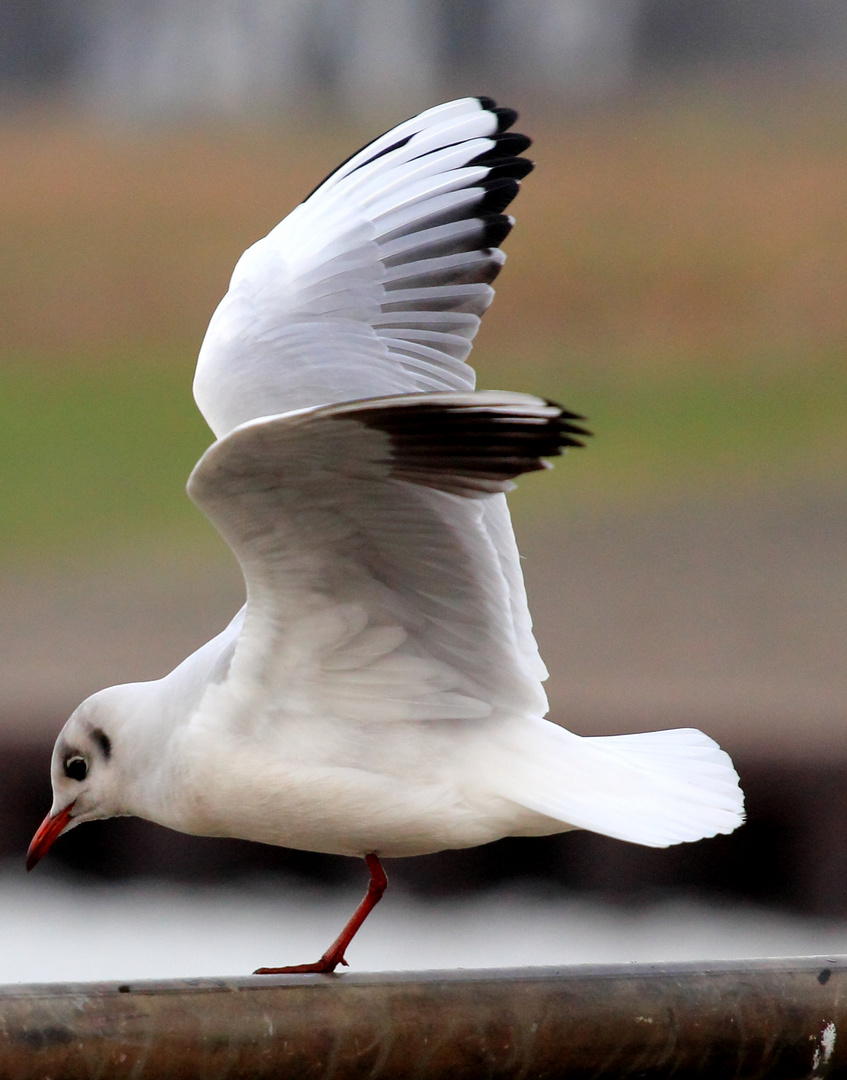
678,274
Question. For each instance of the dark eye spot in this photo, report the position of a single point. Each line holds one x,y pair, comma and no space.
103,741
76,768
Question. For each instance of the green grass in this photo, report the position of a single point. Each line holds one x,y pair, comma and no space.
95,458
695,432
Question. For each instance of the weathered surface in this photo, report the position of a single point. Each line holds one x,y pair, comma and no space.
778,1019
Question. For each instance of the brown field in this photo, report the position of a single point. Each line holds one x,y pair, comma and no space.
698,223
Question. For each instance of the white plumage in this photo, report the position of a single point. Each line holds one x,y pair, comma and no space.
381,691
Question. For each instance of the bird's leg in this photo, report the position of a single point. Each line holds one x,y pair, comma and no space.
335,953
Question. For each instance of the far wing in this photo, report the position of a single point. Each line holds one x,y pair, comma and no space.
376,283
374,591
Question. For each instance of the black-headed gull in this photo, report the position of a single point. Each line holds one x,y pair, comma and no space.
380,693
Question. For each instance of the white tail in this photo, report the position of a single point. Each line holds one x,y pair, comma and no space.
658,788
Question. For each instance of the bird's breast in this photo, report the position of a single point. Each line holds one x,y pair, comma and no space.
403,799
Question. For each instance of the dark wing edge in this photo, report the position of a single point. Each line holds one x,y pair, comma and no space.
473,445
468,444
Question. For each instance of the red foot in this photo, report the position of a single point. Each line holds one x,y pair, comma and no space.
335,953
325,966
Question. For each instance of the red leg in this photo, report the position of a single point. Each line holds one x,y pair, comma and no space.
335,953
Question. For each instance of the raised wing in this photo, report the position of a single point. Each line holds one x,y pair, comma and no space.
376,283
374,591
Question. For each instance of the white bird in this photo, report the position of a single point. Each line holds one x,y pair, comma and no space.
380,693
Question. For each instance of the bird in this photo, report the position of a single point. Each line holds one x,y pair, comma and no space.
380,693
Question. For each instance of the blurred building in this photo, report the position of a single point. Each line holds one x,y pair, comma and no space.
176,57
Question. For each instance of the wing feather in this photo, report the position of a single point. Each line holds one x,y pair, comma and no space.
374,589
375,286
383,273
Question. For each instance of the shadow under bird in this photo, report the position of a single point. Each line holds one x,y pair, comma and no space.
380,693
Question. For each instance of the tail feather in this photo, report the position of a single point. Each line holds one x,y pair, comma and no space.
656,789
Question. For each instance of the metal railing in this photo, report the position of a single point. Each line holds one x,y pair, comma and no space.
740,1019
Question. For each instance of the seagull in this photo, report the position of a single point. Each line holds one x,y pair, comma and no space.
380,693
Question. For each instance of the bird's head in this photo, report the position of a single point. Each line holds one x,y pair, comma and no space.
86,783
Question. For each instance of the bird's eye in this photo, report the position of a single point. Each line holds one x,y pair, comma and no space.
76,768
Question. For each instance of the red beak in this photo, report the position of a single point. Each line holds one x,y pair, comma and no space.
48,831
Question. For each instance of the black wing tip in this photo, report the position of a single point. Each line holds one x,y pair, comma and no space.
495,229
472,451
506,148
506,168
513,142
516,168
503,165
498,193
480,432
571,433
505,116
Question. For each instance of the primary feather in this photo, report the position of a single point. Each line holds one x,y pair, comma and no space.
376,283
